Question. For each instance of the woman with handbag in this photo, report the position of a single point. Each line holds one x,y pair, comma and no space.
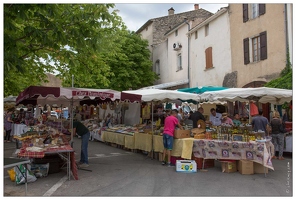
277,134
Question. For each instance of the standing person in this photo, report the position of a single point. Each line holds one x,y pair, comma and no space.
277,134
215,118
197,115
168,134
82,131
179,116
8,124
260,122
236,120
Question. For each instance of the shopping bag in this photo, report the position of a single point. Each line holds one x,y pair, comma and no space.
19,177
11,174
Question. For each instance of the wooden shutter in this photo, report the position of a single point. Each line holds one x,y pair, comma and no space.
209,61
263,46
261,9
245,13
246,51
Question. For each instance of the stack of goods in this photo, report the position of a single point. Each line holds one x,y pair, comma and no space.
40,138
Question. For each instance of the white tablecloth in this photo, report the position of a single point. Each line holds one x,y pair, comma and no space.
18,129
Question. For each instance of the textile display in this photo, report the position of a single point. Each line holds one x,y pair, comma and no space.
132,115
259,152
146,111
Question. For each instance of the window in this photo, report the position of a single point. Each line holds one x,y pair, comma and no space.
157,68
207,30
252,11
258,48
179,62
209,59
176,33
196,35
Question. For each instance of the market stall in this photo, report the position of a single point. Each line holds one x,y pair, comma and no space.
261,94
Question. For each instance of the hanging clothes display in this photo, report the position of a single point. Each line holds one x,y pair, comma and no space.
146,111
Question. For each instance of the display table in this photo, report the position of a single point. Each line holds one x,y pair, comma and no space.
181,147
113,137
12,162
66,152
18,129
129,142
96,134
143,141
259,152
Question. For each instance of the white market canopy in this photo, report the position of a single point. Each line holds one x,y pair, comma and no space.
261,94
162,95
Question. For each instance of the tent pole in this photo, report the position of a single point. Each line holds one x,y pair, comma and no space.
72,114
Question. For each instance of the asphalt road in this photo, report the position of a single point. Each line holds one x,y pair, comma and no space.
120,173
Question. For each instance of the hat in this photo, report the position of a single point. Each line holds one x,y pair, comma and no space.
224,115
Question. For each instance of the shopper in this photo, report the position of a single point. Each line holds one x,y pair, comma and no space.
82,131
197,115
226,120
260,122
215,118
168,134
8,124
277,134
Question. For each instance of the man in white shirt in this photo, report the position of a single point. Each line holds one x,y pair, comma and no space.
215,118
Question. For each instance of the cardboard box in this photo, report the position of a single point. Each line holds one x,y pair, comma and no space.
245,167
208,162
188,166
259,169
228,166
182,134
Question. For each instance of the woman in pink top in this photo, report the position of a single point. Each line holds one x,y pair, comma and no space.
226,120
168,134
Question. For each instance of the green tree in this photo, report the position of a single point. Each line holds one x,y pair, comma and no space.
131,65
64,39
285,81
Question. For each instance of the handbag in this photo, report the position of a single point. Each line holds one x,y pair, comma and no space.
282,128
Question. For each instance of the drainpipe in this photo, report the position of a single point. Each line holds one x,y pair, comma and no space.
186,21
286,33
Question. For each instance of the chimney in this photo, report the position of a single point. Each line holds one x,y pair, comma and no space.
196,6
171,11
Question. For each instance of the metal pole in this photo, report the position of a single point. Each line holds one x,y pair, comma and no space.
72,114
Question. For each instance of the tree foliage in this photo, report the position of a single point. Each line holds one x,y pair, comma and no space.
285,81
69,39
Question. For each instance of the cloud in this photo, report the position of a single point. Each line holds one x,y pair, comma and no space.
136,15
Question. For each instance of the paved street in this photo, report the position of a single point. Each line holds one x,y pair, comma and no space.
117,172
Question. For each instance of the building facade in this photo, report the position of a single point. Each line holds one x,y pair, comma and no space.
259,42
210,54
157,31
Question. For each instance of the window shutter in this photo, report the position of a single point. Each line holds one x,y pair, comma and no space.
209,62
245,13
261,9
210,57
246,51
263,46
